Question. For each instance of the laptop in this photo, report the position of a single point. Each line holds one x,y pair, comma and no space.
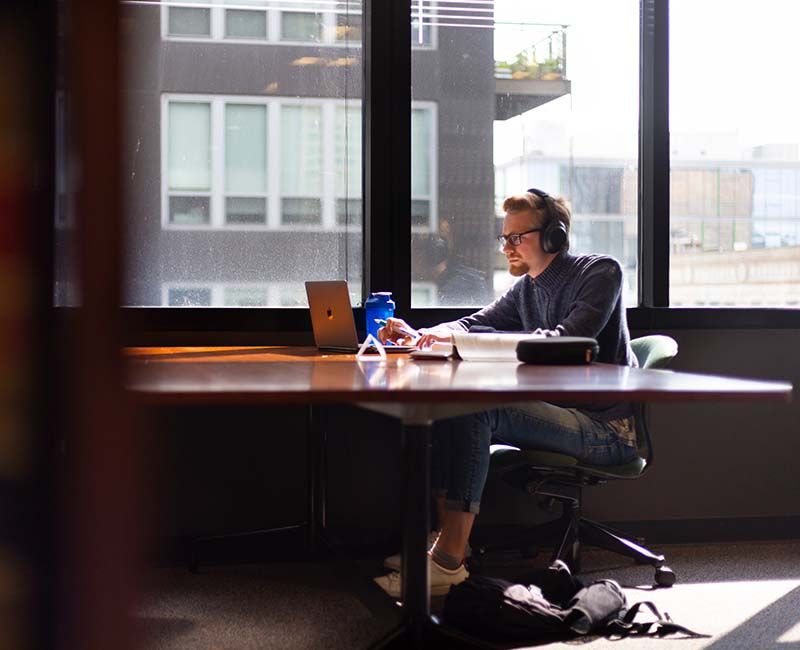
332,318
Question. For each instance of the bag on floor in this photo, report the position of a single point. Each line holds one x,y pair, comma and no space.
557,606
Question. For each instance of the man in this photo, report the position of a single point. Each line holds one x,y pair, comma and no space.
557,294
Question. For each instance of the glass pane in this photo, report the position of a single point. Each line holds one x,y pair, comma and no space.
301,211
189,297
301,150
245,24
189,22
232,152
189,146
189,210
301,26
245,297
735,159
245,148
348,27
348,212
421,156
348,152
240,210
512,95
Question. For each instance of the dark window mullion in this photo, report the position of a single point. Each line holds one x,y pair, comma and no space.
387,149
654,162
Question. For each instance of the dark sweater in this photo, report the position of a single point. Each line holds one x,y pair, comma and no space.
576,295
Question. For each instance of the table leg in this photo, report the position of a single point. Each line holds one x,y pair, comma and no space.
416,589
317,480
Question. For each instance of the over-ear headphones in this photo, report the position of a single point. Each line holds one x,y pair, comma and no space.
554,234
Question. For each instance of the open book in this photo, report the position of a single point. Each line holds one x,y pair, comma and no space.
499,346
490,347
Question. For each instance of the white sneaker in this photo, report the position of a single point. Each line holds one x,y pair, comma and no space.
395,562
441,580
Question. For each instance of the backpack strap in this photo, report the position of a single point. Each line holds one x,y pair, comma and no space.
662,626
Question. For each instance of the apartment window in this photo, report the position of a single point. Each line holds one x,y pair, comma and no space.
246,168
301,26
189,163
423,165
301,165
246,24
348,165
266,21
279,163
245,296
508,101
189,21
192,296
735,160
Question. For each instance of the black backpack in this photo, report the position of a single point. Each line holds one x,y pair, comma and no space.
555,605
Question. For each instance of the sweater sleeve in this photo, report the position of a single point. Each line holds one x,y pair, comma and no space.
596,296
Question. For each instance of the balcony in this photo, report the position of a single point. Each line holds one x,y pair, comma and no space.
536,75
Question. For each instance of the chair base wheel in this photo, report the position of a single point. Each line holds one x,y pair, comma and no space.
665,577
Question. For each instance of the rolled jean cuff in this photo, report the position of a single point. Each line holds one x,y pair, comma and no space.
462,505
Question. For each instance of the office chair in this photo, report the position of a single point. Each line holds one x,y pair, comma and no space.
561,478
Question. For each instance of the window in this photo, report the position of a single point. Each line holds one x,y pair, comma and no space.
301,26
245,24
301,165
735,161
348,166
188,21
512,115
245,164
232,152
423,168
189,163
220,150
322,22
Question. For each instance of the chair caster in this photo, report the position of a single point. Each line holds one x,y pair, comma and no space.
665,577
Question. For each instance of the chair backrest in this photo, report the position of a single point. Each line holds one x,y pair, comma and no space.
654,351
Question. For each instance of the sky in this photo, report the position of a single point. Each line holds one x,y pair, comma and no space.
733,70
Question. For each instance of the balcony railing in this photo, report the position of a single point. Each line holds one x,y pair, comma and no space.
545,60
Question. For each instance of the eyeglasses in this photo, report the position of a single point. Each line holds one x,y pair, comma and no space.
515,238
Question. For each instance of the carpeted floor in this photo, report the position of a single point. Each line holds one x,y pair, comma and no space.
744,595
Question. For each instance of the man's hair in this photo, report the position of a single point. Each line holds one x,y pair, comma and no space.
535,204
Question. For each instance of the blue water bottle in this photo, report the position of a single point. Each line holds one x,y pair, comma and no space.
379,307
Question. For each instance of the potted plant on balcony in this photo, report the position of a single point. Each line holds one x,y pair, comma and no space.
523,68
550,70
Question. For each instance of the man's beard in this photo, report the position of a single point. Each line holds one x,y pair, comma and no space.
518,269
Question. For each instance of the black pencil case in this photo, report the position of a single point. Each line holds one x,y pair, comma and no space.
558,350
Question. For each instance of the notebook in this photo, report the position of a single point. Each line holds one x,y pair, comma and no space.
332,318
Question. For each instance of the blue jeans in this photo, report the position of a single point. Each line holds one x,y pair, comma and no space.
460,446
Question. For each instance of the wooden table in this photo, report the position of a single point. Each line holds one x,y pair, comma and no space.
418,393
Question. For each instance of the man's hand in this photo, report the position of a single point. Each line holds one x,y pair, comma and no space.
397,331
429,338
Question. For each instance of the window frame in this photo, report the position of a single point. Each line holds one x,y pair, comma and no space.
386,178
